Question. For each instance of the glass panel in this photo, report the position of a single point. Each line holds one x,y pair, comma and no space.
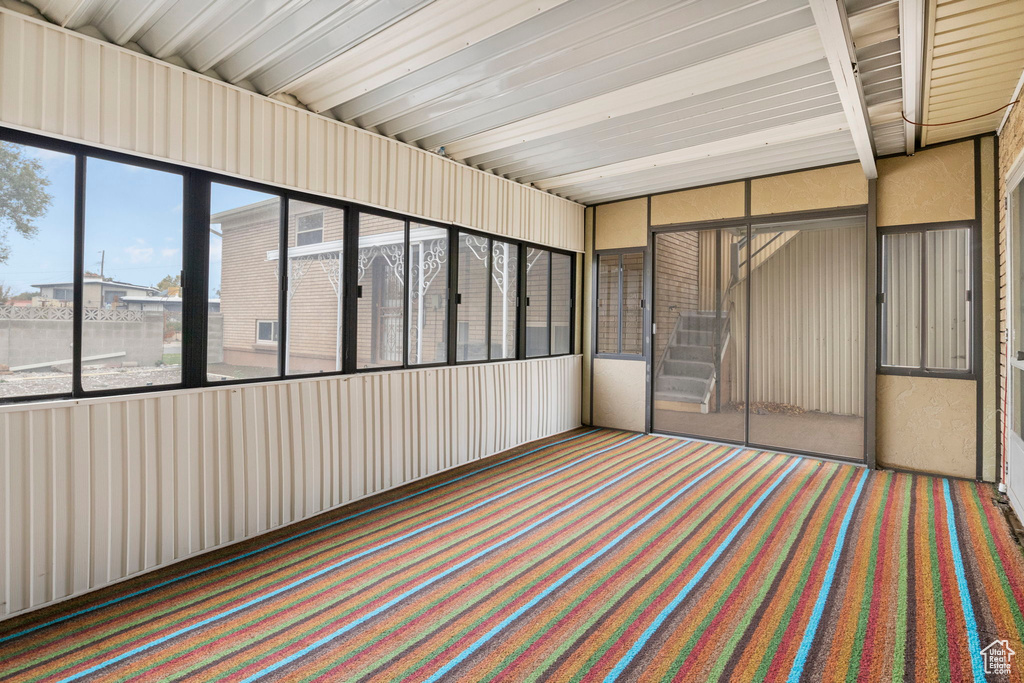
380,335
561,302
474,267
428,294
901,310
504,291
315,311
699,358
948,281
807,313
538,269
131,334
632,298
608,303
244,236
37,238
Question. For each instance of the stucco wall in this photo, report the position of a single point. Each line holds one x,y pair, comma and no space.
819,188
933,185
620,394
621,224
699,204
926,424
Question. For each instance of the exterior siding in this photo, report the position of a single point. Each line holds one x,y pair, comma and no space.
102,489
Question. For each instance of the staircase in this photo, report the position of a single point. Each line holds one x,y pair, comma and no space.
690,366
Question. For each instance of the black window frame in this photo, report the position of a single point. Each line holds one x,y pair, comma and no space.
196,193
974,280
618,254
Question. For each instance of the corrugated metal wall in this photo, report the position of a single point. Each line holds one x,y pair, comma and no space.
807,324
63,83
96,490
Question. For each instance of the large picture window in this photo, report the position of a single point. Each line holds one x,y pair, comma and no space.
131,293
926,300
183,278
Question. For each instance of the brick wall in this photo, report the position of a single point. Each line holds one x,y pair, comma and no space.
1011,146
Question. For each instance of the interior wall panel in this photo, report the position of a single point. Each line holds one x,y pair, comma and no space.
62,83
97,490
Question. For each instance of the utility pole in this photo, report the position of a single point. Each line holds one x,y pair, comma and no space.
103,258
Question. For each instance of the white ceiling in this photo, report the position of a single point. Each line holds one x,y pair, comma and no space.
593,100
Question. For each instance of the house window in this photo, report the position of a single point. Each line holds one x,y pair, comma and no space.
620,303
309,229
926,301
266,331
63,294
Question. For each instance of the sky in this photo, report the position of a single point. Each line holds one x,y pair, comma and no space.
132,214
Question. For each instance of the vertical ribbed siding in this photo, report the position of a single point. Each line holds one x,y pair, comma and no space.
807,323
97,490
62,83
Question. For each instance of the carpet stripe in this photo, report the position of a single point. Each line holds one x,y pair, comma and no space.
602,556
819,605
650,630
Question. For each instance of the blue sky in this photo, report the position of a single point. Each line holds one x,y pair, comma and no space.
133,214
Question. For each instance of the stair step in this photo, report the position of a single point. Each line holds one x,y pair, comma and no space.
684,385
678,397
688,368
706,322
694,338
704,354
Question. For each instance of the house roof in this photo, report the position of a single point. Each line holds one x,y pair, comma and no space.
96,280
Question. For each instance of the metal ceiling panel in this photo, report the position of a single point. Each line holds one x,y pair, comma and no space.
815,151
546,91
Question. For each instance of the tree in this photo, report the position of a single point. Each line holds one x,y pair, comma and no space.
23,195
168,282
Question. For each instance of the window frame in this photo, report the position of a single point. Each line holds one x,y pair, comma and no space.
619,254
275,332
196,196
973,310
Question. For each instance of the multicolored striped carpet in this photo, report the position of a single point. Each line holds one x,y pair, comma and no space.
601,556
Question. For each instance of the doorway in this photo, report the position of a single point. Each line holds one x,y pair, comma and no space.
759,334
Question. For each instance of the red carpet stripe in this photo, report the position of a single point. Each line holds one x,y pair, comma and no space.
552,565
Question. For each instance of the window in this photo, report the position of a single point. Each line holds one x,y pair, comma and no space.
504,296
561,303
315,302
37,328
428,294
620,303
381,292
133,241
538,290
274,292
474,280
926,297
243,284
310,227
266,331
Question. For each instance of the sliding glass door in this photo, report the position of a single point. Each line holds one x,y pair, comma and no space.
760,335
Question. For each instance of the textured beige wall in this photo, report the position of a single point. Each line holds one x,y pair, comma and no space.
927,424
621,224
989,339
820,188
620,394
700,204
933,185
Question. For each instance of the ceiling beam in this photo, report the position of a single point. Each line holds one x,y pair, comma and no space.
434,32
792,132
830,18
912,66
768,58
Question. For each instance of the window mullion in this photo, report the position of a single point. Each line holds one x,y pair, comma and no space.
78,278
